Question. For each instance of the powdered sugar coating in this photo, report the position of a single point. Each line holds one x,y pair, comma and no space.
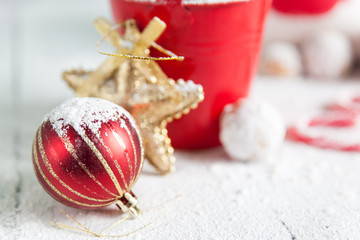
82,113
251,130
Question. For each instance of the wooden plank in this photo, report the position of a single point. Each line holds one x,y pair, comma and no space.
9,178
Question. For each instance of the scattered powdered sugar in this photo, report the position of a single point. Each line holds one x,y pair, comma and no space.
82,113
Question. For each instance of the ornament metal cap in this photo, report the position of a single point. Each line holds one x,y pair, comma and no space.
128,203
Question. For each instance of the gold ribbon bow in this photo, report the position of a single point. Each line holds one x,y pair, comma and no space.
132,79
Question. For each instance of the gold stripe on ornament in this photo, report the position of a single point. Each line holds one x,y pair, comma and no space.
127,156
117,137
142,153
103,162
71,149
37,176
56,190
118,167
84,186
133,180
51,170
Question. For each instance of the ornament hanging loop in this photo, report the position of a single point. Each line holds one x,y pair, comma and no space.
128,203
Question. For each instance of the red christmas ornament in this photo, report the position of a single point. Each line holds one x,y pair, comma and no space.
88,154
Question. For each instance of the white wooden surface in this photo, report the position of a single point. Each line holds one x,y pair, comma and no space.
304,193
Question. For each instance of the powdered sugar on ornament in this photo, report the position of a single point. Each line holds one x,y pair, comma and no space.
88,153
251,130
85,112
186,86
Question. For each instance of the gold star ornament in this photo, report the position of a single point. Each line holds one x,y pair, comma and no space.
132,79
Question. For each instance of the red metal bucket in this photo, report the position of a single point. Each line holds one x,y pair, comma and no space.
221,44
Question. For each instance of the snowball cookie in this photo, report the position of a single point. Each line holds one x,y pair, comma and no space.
251,130
281,59
327,54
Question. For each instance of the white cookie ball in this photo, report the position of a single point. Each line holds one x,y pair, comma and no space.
281,59
327,54
251,130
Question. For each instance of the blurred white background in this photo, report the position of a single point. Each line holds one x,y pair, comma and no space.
345,17
40,38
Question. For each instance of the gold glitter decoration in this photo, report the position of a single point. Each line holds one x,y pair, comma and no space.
132,79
